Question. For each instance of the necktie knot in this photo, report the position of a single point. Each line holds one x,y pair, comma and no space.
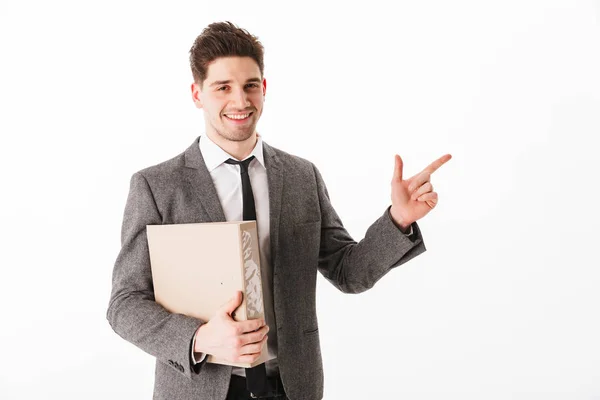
243,164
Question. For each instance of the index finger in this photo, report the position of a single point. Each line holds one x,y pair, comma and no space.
431,168
251,325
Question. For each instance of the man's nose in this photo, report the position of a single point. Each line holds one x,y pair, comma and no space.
240,99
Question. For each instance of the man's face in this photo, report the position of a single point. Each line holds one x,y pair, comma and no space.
232,97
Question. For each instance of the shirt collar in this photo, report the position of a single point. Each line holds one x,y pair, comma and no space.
214,155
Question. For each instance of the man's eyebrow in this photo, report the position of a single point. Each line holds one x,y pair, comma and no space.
215,83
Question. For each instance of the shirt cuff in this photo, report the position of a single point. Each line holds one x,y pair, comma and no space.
197,358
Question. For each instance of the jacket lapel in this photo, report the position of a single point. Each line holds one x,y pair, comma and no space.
275,180
200,183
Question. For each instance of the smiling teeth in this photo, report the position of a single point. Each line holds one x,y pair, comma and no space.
243,116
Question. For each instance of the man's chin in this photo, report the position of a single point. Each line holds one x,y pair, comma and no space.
237,136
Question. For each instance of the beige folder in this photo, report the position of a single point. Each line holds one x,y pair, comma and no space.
197,268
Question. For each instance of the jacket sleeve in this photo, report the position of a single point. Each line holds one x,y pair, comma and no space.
355,267
132,312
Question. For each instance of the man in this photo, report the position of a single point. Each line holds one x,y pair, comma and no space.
216,179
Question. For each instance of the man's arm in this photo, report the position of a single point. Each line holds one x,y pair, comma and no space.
355,267
132,312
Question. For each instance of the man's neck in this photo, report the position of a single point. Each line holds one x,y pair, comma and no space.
239,150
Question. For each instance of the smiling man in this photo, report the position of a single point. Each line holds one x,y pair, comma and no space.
229,174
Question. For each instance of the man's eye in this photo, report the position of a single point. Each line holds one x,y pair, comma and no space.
222,88
252,85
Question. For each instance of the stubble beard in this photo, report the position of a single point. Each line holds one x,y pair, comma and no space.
235,135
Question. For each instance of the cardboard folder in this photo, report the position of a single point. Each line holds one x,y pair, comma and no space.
197,268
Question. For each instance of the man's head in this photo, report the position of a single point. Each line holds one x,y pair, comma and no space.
227,65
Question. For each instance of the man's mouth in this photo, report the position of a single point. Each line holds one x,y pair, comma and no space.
238,117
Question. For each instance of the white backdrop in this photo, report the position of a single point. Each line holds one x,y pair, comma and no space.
503,305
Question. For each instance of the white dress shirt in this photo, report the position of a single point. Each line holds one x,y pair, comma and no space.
228,183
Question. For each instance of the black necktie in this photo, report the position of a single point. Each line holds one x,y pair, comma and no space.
256,378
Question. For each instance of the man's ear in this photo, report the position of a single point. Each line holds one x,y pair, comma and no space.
264,87
196,95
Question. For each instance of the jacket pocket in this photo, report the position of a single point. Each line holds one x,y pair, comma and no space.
309,332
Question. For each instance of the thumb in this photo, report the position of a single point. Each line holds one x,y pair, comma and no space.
233,303
398,165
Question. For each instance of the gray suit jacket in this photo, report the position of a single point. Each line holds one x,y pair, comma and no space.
306,236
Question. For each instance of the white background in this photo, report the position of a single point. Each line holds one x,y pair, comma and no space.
503,305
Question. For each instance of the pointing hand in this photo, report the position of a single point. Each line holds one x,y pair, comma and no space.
413,198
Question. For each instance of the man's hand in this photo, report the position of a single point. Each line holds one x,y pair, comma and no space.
231,340
413,198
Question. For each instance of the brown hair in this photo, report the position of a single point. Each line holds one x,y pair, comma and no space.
223,39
